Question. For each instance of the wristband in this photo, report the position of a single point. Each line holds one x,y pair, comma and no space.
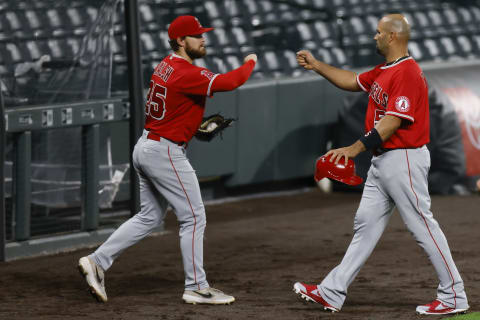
371,139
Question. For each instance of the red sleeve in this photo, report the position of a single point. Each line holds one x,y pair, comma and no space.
197,81
366,79
406,89
233,79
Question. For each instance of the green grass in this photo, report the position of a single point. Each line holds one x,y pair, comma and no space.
468,316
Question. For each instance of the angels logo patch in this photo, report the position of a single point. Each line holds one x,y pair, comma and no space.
207,74
402,104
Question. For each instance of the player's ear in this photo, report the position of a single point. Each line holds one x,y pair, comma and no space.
181,41
392,36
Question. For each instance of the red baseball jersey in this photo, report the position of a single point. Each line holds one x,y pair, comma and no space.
401,90
176,98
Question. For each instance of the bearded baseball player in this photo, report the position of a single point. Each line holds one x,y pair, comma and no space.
397,130
174,110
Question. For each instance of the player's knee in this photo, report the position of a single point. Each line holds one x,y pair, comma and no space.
200,217
151,220
196,218
201,220
362,220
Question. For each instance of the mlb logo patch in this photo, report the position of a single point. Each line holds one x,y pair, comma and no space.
402,104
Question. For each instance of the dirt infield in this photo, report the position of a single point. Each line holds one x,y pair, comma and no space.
255,249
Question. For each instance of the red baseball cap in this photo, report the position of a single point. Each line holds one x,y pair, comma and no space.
185,26
346,174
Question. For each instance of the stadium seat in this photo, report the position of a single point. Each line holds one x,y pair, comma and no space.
476,44
59,48
15,53
242,39
233,61
11,21
277,29
146,11
118,44
433,49
466,46
416,51
291,60
275,63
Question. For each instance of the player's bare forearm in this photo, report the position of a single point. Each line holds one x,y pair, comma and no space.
387,126
346,152
343,79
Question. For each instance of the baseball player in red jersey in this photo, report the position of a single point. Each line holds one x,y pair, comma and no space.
174,110
397,129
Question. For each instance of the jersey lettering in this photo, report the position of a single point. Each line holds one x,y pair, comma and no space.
164,71
155,106
385,100
374,92
379,114
379,95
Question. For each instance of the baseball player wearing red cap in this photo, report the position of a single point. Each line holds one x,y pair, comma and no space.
174,110
397,125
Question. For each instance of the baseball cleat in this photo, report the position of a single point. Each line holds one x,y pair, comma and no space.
437,307
207,296
310,293
95,278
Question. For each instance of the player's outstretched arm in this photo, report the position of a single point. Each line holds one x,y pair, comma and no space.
343,79
235,78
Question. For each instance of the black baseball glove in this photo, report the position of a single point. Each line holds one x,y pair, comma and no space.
212,126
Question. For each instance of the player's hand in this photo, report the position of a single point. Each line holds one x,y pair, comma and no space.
305,59
337,154
251,56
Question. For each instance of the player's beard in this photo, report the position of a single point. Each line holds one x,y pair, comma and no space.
380,51
195,53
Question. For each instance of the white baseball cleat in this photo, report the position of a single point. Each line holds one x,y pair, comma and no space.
207,296
437,307
95,278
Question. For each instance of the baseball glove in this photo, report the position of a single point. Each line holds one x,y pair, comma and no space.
212,126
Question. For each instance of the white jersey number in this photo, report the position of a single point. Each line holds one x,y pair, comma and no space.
155,106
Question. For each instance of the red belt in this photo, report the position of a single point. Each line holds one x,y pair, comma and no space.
153,136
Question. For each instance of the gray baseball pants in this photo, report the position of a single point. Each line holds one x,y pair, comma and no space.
166,177
396,178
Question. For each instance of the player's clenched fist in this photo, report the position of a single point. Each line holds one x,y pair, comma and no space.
305,59
251,56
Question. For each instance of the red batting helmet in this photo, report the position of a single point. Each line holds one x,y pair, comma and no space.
185,26
346,174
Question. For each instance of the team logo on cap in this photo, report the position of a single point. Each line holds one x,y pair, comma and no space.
198,22
402,104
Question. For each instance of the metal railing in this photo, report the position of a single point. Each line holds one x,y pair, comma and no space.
22,121
2,183
89,115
